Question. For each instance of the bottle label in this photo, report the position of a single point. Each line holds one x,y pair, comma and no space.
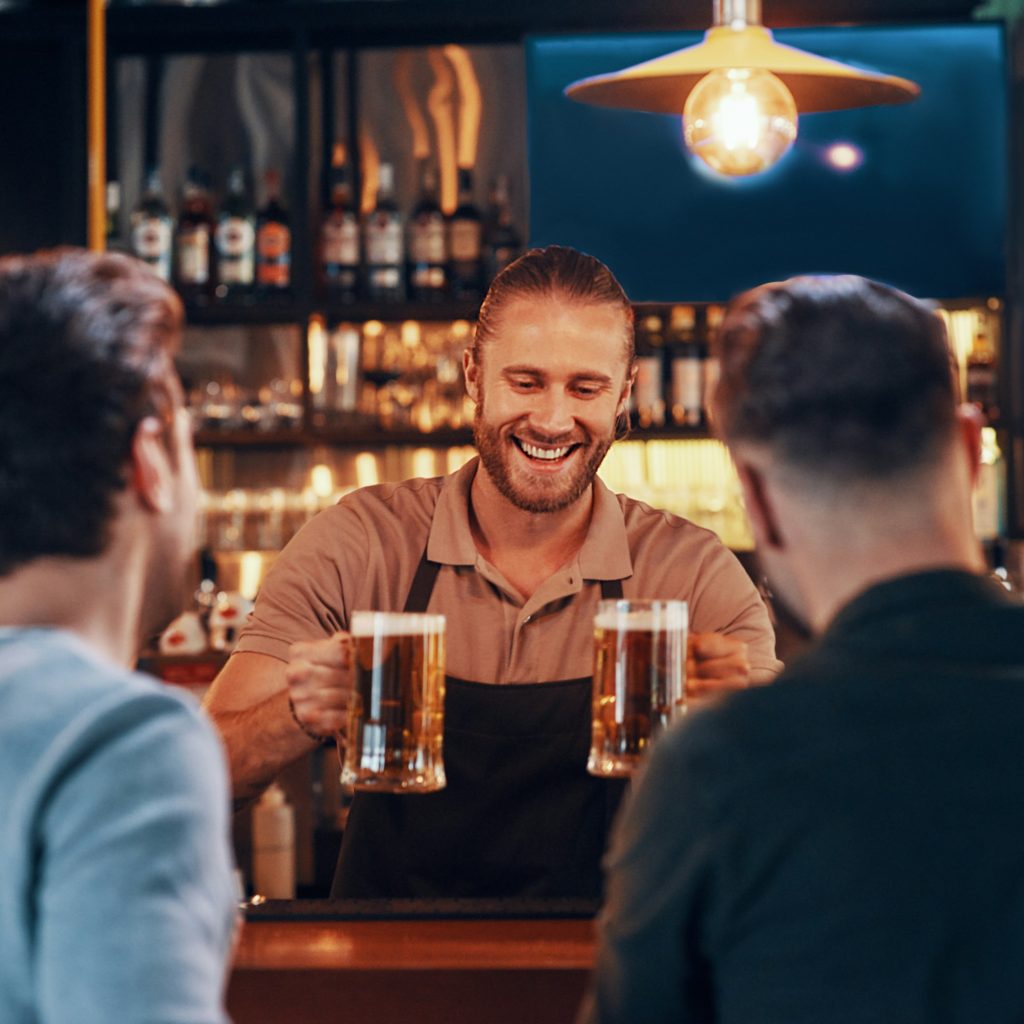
464,240
339,238
194,254
235,239
274,255
650,402
426,240
151,241
688,385
383,239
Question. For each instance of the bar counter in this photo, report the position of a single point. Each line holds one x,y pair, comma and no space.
309,966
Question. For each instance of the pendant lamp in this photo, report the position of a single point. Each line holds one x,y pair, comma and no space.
740,91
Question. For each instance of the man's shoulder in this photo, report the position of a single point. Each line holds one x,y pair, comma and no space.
640,515
77,704
405,501
649,527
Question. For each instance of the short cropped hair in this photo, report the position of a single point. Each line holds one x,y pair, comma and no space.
86,342
555,270
846,379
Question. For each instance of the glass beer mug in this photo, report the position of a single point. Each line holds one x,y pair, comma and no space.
396,716
639,679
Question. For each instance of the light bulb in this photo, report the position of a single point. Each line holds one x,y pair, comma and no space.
739,121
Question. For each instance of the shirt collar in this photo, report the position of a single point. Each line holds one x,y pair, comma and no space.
929,588
605,552
451,539
603,556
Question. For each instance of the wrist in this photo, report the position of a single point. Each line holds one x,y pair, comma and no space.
315,737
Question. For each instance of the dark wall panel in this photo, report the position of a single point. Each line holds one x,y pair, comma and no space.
42,128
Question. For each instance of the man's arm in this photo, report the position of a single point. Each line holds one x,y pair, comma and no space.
249,702
648,967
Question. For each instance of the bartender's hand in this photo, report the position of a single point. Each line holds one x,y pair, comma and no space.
319,676
716,664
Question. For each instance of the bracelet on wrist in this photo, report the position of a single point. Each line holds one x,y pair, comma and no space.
316,737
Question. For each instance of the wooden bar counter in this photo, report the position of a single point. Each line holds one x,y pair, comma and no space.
410,970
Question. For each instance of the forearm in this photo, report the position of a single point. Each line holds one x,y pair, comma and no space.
260,741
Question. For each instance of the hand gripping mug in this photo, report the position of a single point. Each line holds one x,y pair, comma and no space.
396,715
639,679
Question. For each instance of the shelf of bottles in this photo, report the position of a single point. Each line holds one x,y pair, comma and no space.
974,330
386,401
233,263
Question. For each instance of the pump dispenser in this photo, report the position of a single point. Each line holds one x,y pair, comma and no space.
273,846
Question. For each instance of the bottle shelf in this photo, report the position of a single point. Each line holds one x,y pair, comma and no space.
449,309
258,311
365,435
216,313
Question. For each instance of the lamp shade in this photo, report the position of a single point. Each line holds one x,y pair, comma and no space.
661,85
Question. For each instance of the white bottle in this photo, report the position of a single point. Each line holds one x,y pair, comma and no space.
273,846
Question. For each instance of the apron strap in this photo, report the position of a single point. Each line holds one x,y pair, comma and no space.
426,576
422,585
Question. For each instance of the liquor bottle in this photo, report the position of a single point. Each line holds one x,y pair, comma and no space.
989,496
648,389
982,388
193,239
235,241
273,241
428,271
713,316
687,355
152,229
383,243
465,237
502,242
112,225
339,234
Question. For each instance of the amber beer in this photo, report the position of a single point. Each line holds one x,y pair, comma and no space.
396,716
639,679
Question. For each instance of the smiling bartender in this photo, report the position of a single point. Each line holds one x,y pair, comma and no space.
516,549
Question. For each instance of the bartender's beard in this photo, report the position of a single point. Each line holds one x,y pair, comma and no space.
501,459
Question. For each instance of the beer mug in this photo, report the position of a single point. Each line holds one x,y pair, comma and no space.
639,679
396,714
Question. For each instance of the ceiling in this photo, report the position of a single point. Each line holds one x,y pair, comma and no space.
598,13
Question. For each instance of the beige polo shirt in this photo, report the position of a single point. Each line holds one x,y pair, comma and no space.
362,554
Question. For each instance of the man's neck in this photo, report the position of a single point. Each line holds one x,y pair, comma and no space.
850,570
95,598
526,547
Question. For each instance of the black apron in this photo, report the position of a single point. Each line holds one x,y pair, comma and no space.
519,816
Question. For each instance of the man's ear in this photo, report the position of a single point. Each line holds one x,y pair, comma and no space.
471,371
627,388
761,511
152,474
970,420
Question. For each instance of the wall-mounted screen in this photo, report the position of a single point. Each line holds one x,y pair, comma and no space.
914,195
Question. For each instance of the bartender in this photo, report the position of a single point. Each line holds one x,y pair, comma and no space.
516,549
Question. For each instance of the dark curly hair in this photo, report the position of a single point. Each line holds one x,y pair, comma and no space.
841,376
555,270
86,343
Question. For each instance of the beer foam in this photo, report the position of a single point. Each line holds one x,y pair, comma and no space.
610,616
395,624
